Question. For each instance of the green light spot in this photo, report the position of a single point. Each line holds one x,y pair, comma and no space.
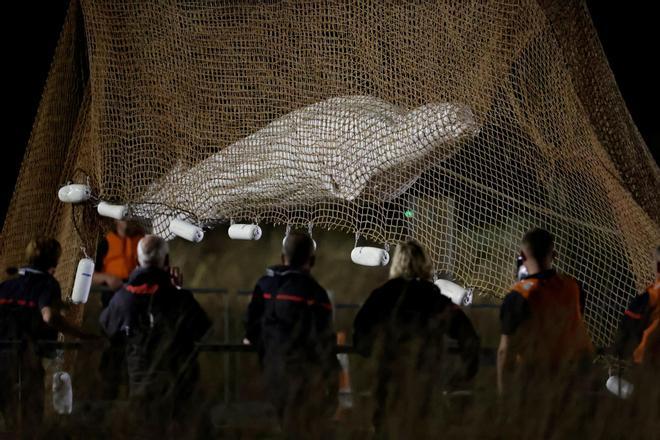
408,213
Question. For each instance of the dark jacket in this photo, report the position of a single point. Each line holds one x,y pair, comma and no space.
290,318
161,325
21,301
403,325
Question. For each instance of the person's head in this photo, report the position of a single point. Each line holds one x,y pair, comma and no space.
298,250
410,261
43,253
121,227
537,250
125,228
152,251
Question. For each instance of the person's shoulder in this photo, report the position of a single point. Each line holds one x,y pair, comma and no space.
393,284
182,294
525,286
122,297
52,282
307,283
653,291
567,278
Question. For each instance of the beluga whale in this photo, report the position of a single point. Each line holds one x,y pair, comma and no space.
342,148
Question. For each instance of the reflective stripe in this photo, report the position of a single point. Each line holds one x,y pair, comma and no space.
143,289
20,302
295,298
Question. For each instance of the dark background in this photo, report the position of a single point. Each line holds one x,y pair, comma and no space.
628,34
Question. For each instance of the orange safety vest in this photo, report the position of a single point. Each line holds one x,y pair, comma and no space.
555,333
651,338
121,258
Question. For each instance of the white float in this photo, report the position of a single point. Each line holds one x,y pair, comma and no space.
74,193
83,281
370,256
459,295
186,230
244,232
619,387
118,212
62,393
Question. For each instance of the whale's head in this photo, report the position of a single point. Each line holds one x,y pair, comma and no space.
393,160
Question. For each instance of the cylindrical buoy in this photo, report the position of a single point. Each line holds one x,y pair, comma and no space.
62,393
370,256
244,232
185,230
83,281
74,193
619,387
453,291
118,212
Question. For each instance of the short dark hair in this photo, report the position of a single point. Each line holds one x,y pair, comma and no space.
43,253
298,248
539,242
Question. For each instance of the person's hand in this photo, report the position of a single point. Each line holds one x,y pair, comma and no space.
246,341
113,282
176,277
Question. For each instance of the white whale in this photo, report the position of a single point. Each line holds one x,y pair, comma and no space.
340,148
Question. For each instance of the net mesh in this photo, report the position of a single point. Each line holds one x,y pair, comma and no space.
460,124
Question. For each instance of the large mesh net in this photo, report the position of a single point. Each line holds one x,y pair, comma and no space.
461,124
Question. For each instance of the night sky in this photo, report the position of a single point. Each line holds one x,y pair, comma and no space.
31,29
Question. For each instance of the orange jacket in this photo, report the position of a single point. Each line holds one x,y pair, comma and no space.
555,332
121,258
650,343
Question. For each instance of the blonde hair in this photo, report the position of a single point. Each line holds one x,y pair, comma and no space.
410,261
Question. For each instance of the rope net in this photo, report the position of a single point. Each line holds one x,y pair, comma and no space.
460,124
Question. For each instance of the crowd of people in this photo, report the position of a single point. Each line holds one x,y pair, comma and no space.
404,326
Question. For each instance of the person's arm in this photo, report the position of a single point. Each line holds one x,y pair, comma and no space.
366,323
322,315
55,320
463,332
514,311
255,311
632,326
101,278
583,298
502,362
112,318
198,322
50,303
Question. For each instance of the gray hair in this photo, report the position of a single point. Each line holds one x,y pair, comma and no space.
152,251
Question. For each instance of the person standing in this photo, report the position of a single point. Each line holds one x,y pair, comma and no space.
544,341
290,322
403,324
30,306
160,325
